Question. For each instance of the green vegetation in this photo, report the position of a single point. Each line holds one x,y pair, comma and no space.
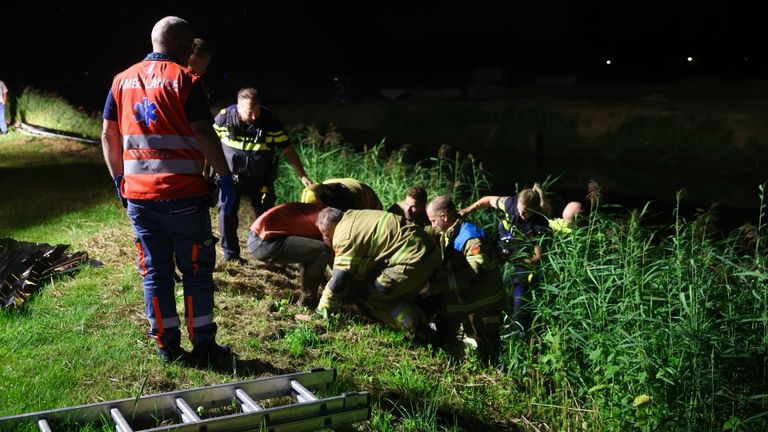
40,108
635,327
641,328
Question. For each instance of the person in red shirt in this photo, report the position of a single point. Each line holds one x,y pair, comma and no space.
287,234
156,135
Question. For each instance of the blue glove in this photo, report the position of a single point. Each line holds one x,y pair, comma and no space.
227,193
118,179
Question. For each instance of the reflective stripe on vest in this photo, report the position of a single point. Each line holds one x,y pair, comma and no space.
161,157
165,166
159,142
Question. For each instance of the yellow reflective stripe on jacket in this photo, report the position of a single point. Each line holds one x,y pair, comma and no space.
506,223
497,297
359,264
346,262
476,262
248,144
409,246
373,248
276,137
220,130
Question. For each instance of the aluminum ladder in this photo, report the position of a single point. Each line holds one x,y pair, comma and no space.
181,410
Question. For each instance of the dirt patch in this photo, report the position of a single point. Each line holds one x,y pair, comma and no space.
113,246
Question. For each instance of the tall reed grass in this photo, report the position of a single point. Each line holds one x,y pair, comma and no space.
388,172
648,328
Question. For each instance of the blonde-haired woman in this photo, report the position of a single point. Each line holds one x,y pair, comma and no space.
521,234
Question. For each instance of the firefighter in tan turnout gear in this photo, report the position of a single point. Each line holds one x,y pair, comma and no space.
470,283
343,194
382,262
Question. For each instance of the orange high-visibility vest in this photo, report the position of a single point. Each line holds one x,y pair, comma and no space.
161,158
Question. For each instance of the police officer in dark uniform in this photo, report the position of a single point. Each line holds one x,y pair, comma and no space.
249,134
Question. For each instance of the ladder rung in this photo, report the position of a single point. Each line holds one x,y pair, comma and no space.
308,412
43,425
248,404
302,394
122,425
187,414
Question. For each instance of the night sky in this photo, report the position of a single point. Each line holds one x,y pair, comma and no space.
304,45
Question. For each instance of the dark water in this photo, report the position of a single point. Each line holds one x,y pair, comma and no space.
626,185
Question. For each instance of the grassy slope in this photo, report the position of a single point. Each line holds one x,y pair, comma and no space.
82,340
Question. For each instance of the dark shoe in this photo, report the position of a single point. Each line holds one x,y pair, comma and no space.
209,354
235,260
171,355
425,337
308,300
172,351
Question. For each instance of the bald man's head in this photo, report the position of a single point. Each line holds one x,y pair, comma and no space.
441,212
173,36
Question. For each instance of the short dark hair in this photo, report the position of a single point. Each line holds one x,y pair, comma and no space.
418,193
200,47
248,93
329,216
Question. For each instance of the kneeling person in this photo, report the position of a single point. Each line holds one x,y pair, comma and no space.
343,194
471,284
414,207
388,259
287,234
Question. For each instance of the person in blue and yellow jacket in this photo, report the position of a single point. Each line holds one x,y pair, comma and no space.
470,283
381,260
249,133
522,237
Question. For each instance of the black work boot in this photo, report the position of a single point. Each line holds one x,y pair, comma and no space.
424,336
308,299
172,351
209,354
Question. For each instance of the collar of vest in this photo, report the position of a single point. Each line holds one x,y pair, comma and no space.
159,56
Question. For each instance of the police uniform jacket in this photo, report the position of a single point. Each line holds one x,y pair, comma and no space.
250,148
